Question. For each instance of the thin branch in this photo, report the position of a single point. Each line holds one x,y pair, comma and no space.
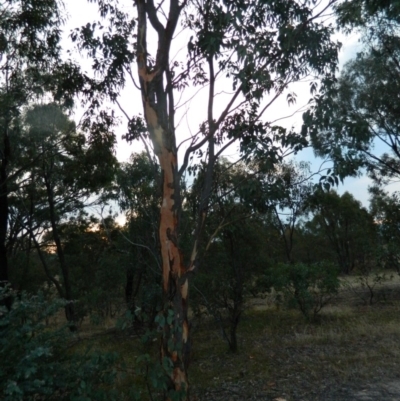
129,71
302,108
145,247
225,147
229,105
122,109
191,98
278,93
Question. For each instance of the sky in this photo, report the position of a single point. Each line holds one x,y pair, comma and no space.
81,12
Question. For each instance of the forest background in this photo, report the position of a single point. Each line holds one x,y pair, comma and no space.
212,200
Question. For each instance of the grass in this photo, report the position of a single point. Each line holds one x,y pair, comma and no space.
280,345
280,354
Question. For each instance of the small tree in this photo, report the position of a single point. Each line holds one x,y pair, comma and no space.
29,50
348,227
69,168
307,287
139,196
235,251
96,265
385,209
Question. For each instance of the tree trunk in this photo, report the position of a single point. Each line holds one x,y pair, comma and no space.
131,291
175,328
233,330
3,227
129,288
159,111
175,344
69,307
4,217
237,295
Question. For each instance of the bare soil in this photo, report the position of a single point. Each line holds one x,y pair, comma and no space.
352,354
387,391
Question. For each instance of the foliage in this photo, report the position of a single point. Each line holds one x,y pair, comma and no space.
139,197
307,287
157,376
37,363
289,204
355,121
364,14
29,50
234,252
348,227
74,163
234,258
97,271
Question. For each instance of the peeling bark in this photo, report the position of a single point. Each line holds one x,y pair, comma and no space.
175,282
160,123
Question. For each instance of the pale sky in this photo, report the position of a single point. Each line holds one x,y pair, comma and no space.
82,12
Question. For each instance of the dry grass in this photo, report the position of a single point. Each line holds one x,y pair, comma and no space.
280,354
283,354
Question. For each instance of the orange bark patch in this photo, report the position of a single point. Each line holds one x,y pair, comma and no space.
171,256
184,289
185,333
179,377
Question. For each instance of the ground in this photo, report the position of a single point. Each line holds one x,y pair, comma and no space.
389,391
351,354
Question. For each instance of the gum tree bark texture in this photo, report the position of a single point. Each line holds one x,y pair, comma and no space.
158,108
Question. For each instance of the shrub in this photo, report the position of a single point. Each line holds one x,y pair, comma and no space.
36,362
307,286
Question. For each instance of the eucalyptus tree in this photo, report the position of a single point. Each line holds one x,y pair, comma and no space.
356,121
29,47
346,224
385,209
68,173
260,47
139,195
290,189
234,251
